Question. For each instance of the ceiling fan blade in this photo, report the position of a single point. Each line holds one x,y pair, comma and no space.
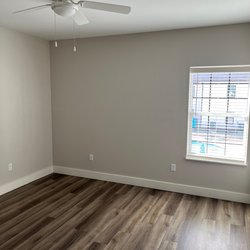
33,8
121,9
80,18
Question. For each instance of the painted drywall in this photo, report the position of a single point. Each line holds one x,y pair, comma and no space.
25,105
125,99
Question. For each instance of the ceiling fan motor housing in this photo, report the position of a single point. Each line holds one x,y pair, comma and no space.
65,10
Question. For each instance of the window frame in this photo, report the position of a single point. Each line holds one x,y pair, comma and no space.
222,160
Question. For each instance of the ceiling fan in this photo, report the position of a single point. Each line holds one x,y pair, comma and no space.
70,8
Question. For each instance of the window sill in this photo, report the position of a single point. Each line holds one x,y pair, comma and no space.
216,160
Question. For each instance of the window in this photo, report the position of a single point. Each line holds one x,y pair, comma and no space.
218,115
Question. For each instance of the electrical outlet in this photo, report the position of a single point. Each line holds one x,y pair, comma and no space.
91,157
173,167
10,166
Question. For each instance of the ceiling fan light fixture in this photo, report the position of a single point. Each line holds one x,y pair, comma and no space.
65,10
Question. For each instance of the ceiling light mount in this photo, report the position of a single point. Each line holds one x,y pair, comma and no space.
79,3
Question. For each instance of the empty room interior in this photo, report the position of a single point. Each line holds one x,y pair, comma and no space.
124,124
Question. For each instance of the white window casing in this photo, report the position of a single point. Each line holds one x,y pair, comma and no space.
218,114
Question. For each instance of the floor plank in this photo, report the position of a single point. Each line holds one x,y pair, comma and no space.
66,212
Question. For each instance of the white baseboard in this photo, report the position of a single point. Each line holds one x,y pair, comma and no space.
167,186
25,180
162,185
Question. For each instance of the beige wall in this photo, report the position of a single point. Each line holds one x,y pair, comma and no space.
124,99
25,105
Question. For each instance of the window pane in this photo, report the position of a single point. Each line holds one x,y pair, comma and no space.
218,136
218,106
238,106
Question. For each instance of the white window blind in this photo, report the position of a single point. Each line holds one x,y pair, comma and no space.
218,116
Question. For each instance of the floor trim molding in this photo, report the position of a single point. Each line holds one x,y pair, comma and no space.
25,180
167,186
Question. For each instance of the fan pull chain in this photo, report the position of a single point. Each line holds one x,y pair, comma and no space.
74,33
55,26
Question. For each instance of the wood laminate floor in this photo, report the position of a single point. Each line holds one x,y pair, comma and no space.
65,212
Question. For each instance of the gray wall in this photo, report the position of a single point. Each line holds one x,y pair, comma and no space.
125,99
25,105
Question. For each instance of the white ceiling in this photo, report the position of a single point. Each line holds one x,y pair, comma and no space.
146,15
